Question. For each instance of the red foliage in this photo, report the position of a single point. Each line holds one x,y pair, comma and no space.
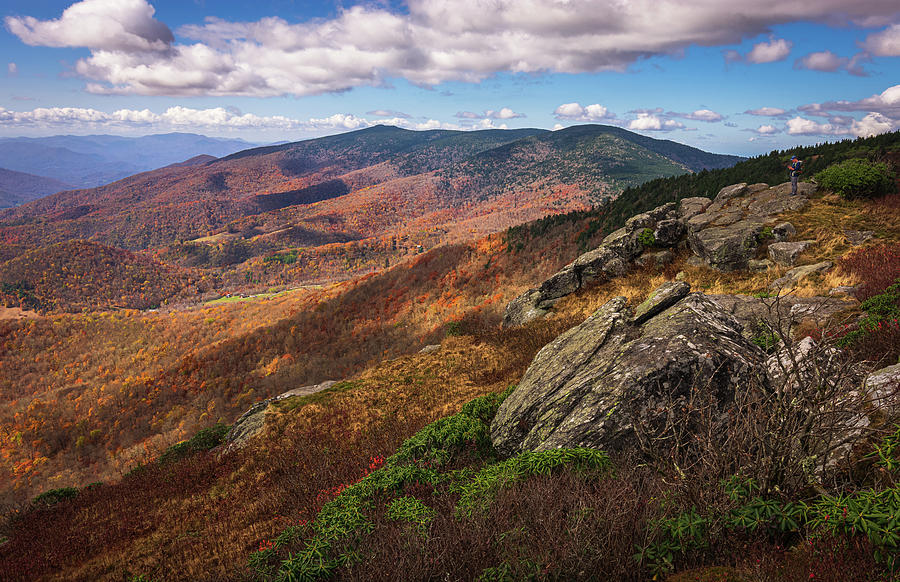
878,268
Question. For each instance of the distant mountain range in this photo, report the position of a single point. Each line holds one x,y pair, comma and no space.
18,187
373,182
93,160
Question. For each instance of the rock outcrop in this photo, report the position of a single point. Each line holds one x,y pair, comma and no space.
594,383
618,377
252,422
727,234
724,234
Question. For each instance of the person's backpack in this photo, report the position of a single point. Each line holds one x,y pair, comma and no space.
797,167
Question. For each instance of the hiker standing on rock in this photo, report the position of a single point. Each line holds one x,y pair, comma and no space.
796,168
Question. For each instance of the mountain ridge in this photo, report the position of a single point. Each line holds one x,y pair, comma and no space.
17,188
370,184
93,160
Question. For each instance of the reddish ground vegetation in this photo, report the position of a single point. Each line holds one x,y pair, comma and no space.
877,267
88,396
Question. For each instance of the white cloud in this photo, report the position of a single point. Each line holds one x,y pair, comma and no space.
215,119
430,42
502,113
557,127
766,111
822,61
873,124
123,25
827,61
777,49
885,43
802,126
767,130
172,118
702,115
650,122
12,69
886,103
590,113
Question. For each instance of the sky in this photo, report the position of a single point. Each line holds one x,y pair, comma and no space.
711,74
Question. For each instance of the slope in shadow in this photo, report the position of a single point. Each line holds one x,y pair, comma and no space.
315,193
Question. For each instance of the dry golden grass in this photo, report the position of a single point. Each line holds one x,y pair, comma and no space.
201,519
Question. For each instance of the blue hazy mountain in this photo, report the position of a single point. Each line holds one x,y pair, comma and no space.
86,161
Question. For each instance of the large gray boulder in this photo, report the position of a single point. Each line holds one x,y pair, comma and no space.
669,232
727,248
727,233
560,284
787,253
600,264
592,385
523,309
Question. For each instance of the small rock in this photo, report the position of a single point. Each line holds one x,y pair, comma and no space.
599,264
431,348
669,233
695,261
253,420
658,259
727,248
663,258
843,291
794,276
667,295
759,265
680,276
625,243
786,253
783,231
662,212
858,237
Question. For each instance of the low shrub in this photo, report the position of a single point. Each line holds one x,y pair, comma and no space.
877,336
340,532
858,179
54,496
205,439
478,492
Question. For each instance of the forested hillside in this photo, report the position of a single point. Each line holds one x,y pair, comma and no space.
111,395
384,193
